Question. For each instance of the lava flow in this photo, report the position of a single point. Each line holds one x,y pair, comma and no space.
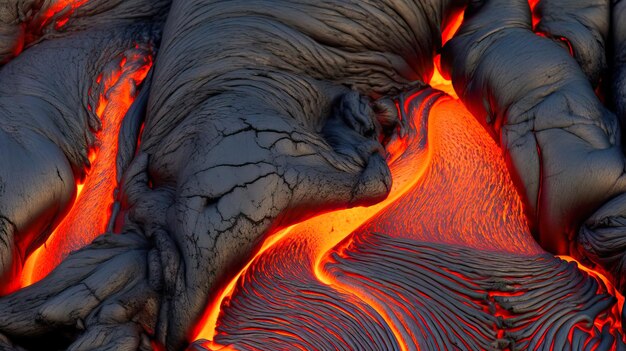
62,9
446,261
91,210
57,12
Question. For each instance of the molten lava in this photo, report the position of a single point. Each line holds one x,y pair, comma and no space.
62,9
438,81
57,12
533,5
91,210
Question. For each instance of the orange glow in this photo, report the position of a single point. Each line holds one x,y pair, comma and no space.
452,27
462,197
445,189
57,12
533,4
439,81
91,210
208,323
611,319
448,179
606,286
448,191
61,8
409,170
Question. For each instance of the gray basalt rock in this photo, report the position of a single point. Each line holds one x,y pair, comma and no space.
618,71
538,103
580,26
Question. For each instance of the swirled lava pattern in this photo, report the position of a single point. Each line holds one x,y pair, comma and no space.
446,262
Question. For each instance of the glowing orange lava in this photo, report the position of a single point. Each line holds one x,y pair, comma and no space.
533,4
58,11
64,8
452,27
206,327
91,210
439,81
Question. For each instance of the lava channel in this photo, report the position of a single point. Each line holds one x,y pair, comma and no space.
92,208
